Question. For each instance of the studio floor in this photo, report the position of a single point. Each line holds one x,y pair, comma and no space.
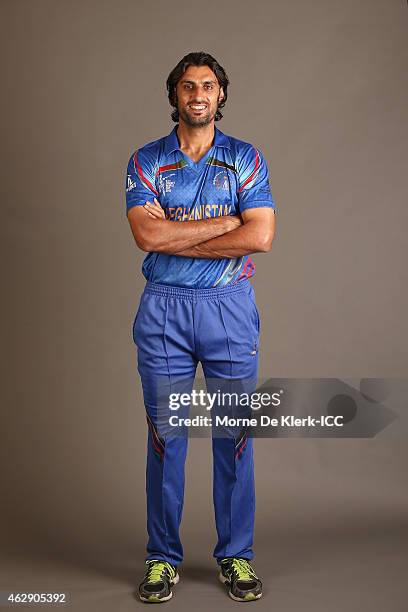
363,570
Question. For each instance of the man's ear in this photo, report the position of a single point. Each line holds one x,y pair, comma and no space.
221,95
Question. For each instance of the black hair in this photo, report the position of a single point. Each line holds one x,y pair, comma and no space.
199,58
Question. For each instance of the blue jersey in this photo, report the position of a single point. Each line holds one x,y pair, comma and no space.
230,178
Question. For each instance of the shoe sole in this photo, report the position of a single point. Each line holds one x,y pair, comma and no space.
225,580
155,599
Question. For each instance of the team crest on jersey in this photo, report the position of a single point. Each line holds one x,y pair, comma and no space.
166,184
221,180
130,184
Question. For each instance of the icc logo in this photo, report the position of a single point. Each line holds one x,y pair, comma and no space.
221,180
166,184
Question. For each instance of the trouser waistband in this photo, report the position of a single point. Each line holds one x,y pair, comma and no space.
197,294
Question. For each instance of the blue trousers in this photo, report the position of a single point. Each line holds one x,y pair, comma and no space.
174,329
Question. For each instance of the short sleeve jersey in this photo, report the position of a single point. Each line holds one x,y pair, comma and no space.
230,178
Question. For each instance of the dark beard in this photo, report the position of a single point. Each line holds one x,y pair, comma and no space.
196,121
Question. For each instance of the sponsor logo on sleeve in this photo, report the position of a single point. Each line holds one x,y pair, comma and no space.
130,184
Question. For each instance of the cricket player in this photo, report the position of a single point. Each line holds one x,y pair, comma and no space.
199,204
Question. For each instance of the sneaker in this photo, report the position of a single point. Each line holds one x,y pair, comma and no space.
156,585
244,584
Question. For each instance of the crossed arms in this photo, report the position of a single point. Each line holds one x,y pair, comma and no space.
215,238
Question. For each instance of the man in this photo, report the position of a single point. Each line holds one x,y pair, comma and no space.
199,203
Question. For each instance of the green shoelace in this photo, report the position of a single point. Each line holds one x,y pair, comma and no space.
156,569
242,569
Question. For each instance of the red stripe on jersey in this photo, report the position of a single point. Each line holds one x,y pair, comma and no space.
251,270
142,177
175,166
248,261
253,173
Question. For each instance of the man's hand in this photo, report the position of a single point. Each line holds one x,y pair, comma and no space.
154,233
254,236
154,209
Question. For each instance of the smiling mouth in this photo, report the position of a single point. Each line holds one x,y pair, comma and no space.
198,108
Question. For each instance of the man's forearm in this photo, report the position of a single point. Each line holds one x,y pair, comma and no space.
243,240
163,236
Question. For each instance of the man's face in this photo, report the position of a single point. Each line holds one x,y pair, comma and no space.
198,95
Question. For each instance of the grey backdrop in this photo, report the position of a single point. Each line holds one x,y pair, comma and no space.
320,86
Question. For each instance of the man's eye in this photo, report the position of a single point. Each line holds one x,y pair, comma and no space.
208,86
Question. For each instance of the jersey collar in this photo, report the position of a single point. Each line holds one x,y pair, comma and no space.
171,142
